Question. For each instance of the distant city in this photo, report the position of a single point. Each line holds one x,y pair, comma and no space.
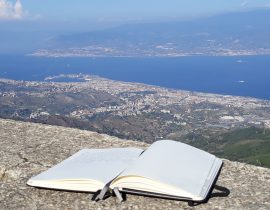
167,50
128,110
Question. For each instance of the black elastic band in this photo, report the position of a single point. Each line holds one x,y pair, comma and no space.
223,192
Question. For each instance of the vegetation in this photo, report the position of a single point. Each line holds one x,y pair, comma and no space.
250,145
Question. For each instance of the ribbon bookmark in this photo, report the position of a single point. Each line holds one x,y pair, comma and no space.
118,194
102,194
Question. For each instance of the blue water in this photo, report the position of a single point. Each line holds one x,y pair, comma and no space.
243,76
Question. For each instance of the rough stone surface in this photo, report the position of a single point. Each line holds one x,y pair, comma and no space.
27,149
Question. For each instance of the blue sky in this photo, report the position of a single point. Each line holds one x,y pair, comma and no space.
121,10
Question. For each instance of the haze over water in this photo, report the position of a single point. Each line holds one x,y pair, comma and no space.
241,76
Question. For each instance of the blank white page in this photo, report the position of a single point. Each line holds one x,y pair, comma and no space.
177,164
102,165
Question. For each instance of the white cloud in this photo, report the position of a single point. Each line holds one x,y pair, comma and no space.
11,11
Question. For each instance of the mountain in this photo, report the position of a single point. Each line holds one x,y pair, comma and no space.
227,26
26,36
241,33
28,148
235,33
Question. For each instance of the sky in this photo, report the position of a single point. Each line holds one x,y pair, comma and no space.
120,10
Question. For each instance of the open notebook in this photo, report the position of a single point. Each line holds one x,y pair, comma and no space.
166,169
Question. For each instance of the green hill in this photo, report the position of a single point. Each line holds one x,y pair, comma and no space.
250,145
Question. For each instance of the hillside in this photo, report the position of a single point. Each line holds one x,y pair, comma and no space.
27,149
236,33
249,145
236,128
223,125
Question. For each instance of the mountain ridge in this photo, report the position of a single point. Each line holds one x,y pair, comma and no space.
238,33
234,33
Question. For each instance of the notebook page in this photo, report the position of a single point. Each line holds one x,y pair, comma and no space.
98,164
176,164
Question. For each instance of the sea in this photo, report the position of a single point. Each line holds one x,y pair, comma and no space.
235,75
